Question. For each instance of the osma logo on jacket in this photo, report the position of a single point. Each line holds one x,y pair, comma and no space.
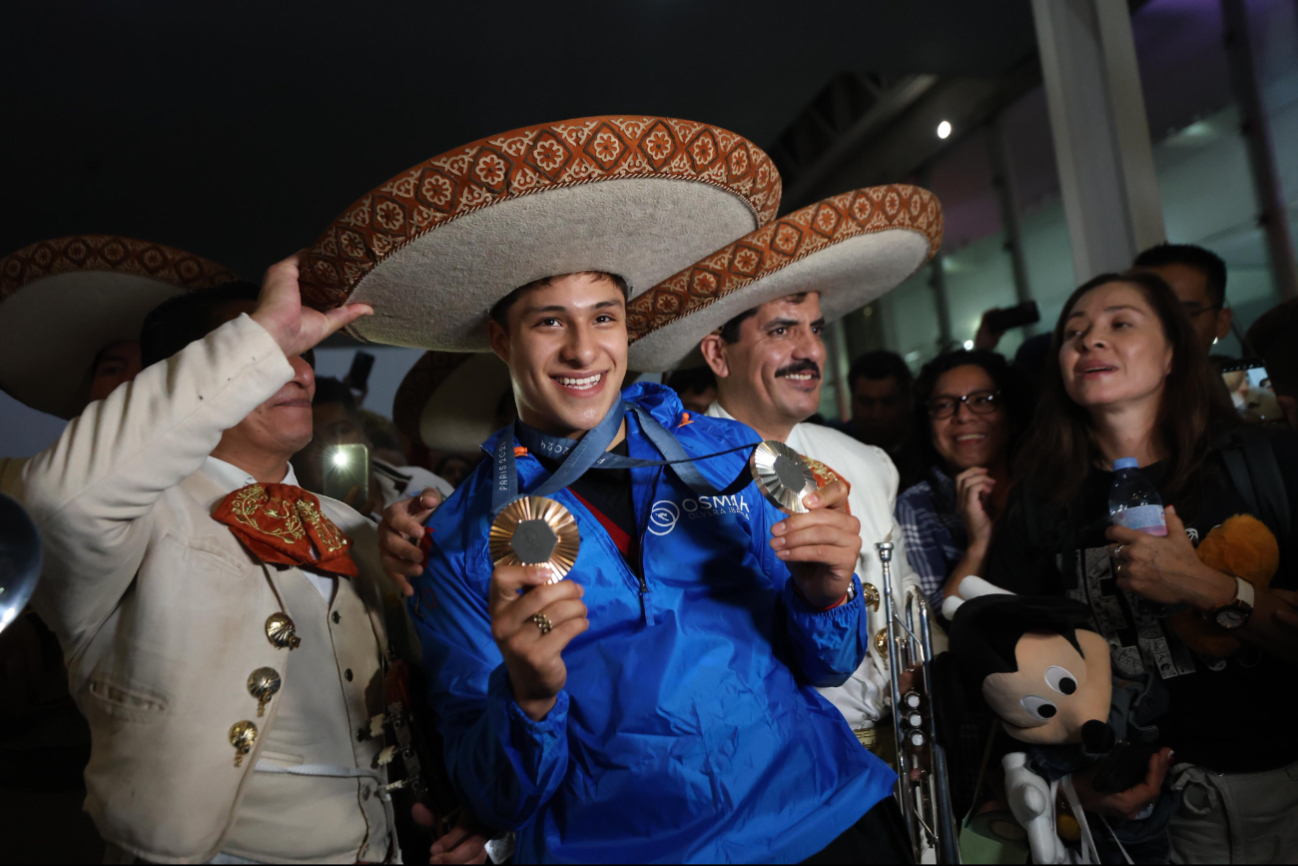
665,514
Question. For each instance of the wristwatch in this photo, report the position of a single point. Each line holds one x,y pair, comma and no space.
1235,613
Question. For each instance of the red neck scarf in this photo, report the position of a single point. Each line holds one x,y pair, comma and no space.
283,524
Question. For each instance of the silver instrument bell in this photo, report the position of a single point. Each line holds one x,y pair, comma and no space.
20,559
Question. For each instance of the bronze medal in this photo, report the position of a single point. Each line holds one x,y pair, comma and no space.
535,530
782,475
243,736
263,683
282,632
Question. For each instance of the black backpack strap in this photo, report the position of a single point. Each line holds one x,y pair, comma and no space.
1250,459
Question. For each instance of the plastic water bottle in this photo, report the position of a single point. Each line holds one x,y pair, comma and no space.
1134,503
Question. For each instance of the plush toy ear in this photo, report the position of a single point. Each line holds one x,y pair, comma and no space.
971,587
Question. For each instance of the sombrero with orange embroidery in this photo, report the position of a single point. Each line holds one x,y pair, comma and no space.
850,248
453,401
63,301
434,248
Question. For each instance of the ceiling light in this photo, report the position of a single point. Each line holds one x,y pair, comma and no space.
944,129
968,344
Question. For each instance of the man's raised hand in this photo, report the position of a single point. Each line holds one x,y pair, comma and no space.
533,653
294,327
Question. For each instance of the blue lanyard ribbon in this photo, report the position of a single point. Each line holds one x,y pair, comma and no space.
577,456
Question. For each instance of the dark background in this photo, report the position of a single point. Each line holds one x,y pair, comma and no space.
239,130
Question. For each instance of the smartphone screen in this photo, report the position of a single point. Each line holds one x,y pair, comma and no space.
1249,386
347,473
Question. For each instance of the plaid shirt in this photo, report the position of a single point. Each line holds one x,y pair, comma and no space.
934,534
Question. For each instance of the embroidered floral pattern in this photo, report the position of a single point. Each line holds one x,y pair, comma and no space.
283,524
108,253
788,239
522,162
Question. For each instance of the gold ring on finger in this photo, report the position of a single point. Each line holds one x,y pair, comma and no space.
542,622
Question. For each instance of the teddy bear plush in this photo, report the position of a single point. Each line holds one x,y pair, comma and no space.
1242,546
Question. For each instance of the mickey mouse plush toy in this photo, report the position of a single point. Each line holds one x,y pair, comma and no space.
1048,680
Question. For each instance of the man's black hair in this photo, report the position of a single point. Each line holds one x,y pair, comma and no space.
500,311
880,364
188,317
694,380
730,330
1204,261
331,390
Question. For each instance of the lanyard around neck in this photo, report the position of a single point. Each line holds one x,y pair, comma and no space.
577,456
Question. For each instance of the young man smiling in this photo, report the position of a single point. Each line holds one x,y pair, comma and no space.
656,703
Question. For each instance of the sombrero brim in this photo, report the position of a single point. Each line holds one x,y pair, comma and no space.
850,249
433,249
452,401
63,301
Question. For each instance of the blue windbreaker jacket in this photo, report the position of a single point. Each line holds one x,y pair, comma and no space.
688,730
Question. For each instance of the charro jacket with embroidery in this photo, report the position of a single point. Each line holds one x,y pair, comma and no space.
160,611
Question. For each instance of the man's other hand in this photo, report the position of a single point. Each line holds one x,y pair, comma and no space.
821,546
400,531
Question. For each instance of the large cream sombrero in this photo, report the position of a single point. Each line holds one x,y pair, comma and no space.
62,301
850,248
452,401
434,248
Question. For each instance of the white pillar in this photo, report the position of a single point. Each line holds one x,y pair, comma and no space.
1101,134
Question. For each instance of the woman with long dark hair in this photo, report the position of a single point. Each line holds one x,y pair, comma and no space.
1130,380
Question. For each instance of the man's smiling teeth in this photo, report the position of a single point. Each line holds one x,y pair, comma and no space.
579,384
799,377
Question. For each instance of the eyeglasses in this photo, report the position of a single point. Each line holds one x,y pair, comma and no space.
979,402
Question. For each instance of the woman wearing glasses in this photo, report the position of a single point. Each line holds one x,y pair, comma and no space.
970,404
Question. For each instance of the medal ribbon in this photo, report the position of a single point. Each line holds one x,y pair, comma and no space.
591,452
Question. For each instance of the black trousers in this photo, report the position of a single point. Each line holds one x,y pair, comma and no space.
879,837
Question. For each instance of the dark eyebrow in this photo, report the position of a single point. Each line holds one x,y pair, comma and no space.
1113,309
560,308
819,323
781,323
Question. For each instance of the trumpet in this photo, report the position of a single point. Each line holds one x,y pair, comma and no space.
923,788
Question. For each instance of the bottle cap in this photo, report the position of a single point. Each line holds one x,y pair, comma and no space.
1126,463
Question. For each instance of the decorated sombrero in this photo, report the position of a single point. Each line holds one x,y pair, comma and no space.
850,248
62,301
434,248
453,401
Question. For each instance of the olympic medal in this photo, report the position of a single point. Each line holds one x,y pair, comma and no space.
782,475
535,530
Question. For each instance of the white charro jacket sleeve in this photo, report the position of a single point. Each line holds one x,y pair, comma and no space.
91,493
